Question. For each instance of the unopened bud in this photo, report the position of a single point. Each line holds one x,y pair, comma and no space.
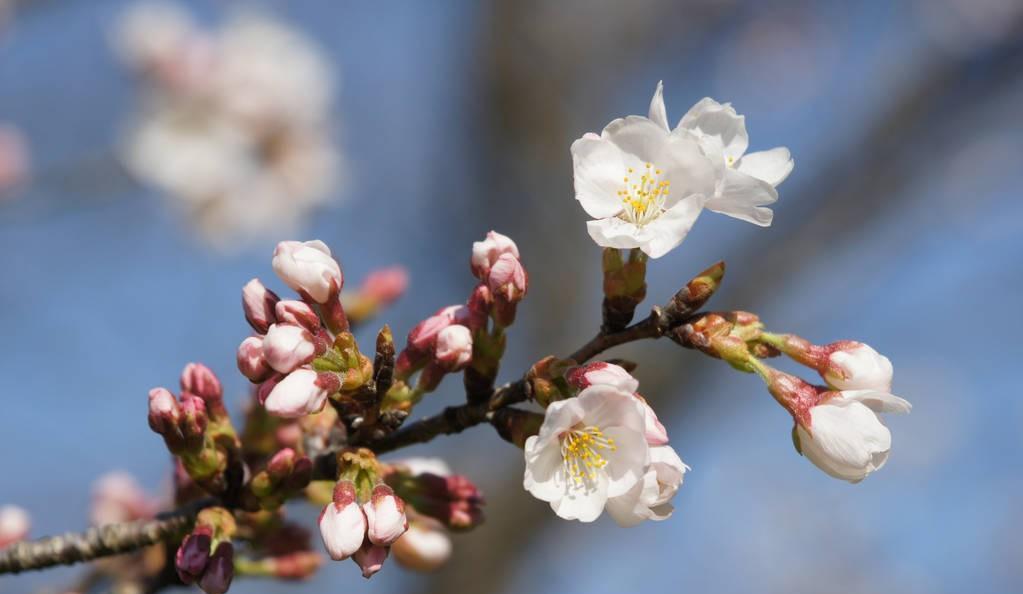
290,311
258,303
385,285
425,547
478,307
219,571
794,394
193,417
251,361
516,426
385,516
14,525
301,392
308,268
696,293
193,555
487,252
453,350
200,380
370,559
164,412
342,522
288,347
624,287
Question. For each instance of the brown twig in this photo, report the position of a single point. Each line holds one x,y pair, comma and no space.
102,541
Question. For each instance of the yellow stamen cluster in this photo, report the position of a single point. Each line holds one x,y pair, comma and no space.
643,198
583,452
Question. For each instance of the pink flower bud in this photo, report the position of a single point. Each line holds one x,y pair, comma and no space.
116,498
424,547
14,525
193,555
258,303
194,419
856,366
423,336
219,571
251,362
478,308
301,392
287,347
200,380
299,313
308,268
370,559
263,390
282,464
453,350
385,285
385,516
164,412
508,279
485,253
342,522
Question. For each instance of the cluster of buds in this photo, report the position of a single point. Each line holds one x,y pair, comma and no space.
286,475
467,337
433,491
14,525
365,516
302,352
196,428
836,425
206,555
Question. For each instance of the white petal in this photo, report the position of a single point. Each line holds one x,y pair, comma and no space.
544,477
629,509
712,119
686,166
743,197
847,442
560,415
772,166
627,463
614,233
658,113
607,406
584,503
878,401
637,136
599,168
668,230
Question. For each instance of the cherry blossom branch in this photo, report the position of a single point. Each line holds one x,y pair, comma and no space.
102,541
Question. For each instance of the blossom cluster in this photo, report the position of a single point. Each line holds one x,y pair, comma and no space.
235,122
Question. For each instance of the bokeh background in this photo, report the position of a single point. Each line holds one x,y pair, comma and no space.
901,225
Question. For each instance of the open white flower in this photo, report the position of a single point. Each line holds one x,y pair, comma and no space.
644,185
745,182
650,499
589,448
846,438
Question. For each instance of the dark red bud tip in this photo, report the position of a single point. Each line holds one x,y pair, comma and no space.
220,571
192,557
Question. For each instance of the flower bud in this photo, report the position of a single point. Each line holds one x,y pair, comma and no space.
478,308
486,253
453,350
164,412
258,302
794,394
251,362
193,555
423,336
856,366
14,525
385,285
287,347
290,311
301,392
696,293
193,417
424,547
342,522
263,390
116,498
385,516
370,559
219,571
308,268
508,279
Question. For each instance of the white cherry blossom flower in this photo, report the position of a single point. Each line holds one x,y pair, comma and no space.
589,448
644,185
845,437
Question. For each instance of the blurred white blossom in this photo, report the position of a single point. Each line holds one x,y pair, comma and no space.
235,123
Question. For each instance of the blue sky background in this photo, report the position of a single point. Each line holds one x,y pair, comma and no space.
907,235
